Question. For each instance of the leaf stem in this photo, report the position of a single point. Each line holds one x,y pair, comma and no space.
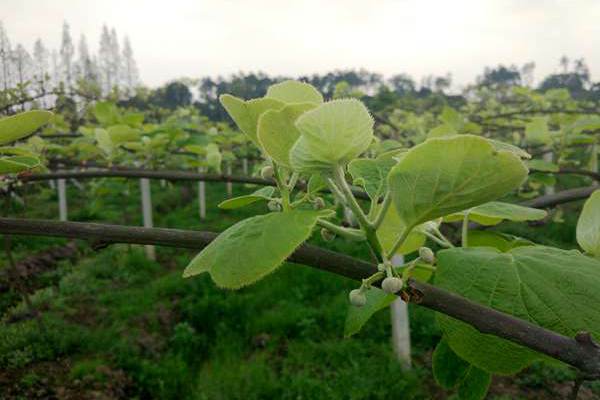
465,231
387,200
399,242
348,233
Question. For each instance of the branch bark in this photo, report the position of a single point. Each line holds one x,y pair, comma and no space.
581,352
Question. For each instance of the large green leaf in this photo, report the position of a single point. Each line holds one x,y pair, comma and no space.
588,225
444,175
498,240
294,92
334,133
20,125
448,368
552,288
246,113
277,131
262,194
253,248
475,384
358,316
494,212
371,174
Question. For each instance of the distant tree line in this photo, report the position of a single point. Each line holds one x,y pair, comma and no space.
71,69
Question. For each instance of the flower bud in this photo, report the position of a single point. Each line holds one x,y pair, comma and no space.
391,284
273,205
267,172
357,298
319,203
327,235
426,255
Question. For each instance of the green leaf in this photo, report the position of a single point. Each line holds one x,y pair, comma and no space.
552,288
588,225
20,125
501,241
334,133
13,165
107,113
104,143
452,118
261,194
277,131
475,384
371,174
392,227
519,152
444,175
253,248
543,166
120,134
294,92
448,368
494,212
246,113
316,183
442,130
358,316
537,132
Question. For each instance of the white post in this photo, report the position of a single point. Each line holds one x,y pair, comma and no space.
62,199
594,163
400,325
548,158
229,184
202,196
147,213
245,166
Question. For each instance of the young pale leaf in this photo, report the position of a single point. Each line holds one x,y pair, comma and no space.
316,183
552,288
588,225
106,113
335,132
475,384
517,151
358,316
120,134
392,227
13,165
542,166
444,175
371,174
442,130
263,194
448,368
20,125
253,248
537,132
494,212
277,132
246,113
294,92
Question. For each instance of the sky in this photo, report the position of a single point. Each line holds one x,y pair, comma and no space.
186,38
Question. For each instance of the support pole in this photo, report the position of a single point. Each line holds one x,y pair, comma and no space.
62,199
229,184
400,325
202,197
147,213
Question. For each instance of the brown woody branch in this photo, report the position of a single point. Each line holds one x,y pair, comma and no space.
580,352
